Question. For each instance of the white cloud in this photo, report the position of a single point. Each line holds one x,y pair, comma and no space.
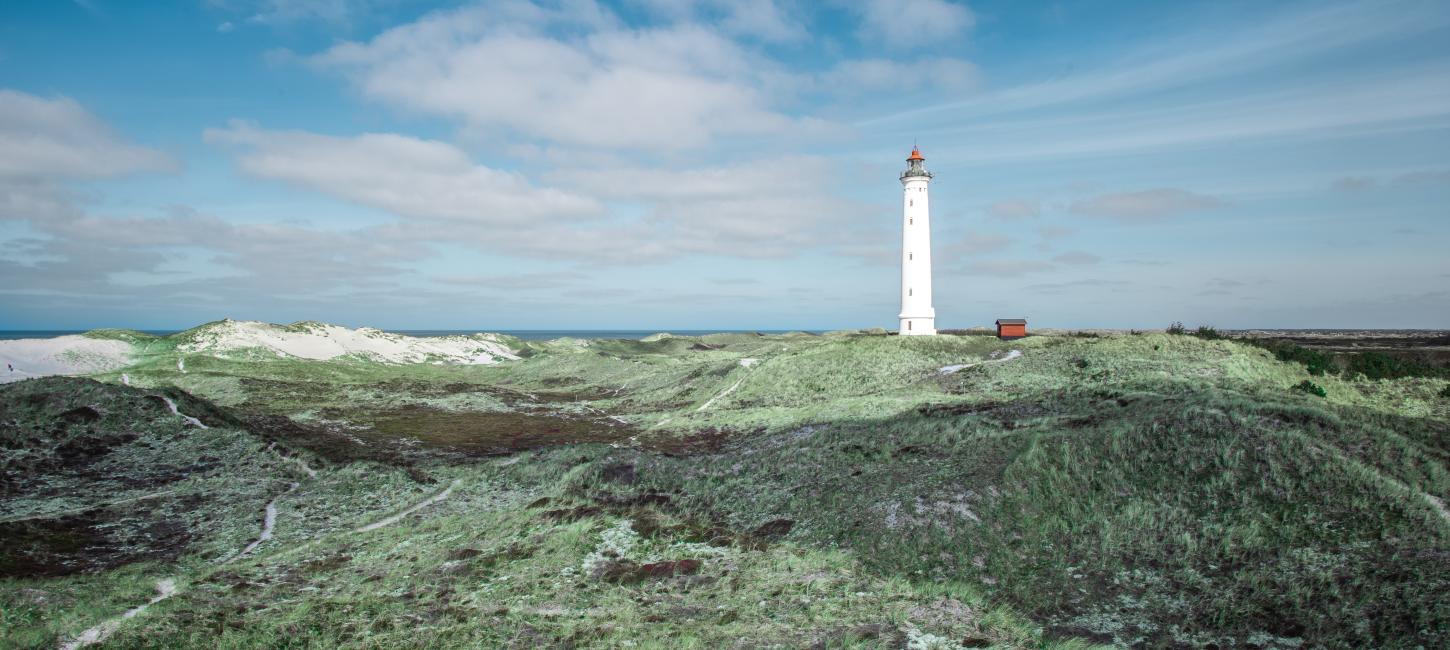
671,88
57,138
908,24
1144,205
766,208
410,177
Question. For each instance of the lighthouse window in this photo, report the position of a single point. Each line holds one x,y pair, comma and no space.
908,292
910,221
911,202
908,324
910,256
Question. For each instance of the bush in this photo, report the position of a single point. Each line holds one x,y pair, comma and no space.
1208,333
1445,393
1378,365
1316,362
1310,387
1177,328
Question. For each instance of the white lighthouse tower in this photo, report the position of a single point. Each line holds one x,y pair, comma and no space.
917,316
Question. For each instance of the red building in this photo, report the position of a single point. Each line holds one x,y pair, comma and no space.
1011,328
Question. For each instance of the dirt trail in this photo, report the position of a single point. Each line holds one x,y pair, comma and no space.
311,473
189,420
744,363
1438,505
269,521
411,509
947,370
165,588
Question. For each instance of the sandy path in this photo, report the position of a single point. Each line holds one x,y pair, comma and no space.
411,509
165,588
723,393
947,370
181,364
189,420
744,363
269,521
311,473
1438,505
126,379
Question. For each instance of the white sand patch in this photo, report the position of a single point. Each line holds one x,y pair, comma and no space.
62,355
947,370
320,341
749,362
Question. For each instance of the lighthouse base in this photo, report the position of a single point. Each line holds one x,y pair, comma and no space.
918,326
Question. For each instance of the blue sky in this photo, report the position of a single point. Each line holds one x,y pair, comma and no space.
722,164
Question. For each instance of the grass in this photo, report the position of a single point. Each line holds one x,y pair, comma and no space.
1157,490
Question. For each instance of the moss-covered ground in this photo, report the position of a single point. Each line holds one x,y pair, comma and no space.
734,491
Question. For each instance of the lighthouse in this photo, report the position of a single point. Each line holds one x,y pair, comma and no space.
917,316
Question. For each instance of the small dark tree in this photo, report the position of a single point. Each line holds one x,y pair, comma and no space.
1311,388
1177,328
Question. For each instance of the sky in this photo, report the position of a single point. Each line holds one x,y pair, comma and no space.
722,164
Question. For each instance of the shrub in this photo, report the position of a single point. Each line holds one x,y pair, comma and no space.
1310,387
1316,362
1378,365
1177,328
1446,392
1208,333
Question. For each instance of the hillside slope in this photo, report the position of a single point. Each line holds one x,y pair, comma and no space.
845,490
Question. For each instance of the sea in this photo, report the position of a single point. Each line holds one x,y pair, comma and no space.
527,335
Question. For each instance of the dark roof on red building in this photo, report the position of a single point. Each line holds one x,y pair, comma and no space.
1011,321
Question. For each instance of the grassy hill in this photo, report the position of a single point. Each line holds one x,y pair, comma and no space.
844,490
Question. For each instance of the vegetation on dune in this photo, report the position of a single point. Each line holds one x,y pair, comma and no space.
845,490
1369,364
